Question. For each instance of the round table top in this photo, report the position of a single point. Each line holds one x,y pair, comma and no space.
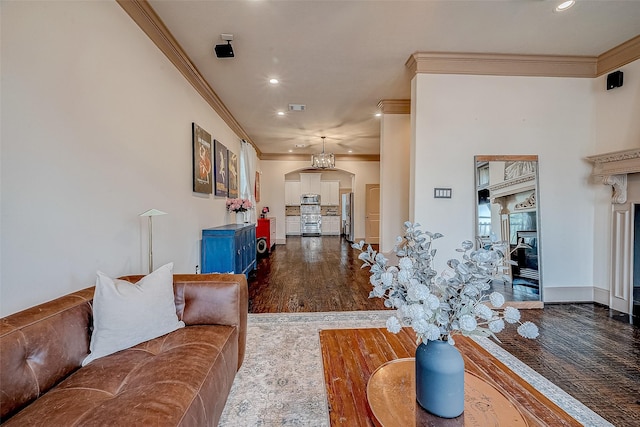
391,392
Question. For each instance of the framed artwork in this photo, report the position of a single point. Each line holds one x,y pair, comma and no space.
233,175
220,164
202,174
257,189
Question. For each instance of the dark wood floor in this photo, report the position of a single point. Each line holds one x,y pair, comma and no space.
583,348
311,274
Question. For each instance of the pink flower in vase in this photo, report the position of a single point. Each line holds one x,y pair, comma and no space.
238,205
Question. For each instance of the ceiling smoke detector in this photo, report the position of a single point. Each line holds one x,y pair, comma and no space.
225,50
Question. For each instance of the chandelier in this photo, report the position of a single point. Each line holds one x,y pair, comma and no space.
323,160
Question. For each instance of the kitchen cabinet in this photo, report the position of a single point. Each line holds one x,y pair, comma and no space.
330,225
310,183
292,225
292,193
329,193
229,248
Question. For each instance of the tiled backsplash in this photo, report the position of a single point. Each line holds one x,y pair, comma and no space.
324,210
329,210
292,210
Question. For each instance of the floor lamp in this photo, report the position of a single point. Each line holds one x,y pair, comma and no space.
151,213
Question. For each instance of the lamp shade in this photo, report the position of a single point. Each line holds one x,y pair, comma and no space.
152,212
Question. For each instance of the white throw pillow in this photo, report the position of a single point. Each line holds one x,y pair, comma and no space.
126,314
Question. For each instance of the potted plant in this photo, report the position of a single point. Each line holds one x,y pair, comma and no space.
239,206
438,306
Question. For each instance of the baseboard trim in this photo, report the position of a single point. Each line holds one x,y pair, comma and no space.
601,296
569,294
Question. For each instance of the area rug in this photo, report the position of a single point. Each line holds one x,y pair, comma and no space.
281,381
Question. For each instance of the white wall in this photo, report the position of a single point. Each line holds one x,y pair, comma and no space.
395,140
459,116
618,111
273,177
617,128
96,128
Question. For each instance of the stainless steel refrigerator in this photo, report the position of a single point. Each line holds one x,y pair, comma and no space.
347,216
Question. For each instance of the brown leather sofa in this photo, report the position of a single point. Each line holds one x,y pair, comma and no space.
179,379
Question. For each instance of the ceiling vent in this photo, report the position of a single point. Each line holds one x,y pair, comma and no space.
297,107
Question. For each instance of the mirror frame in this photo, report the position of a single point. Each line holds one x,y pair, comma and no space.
536,190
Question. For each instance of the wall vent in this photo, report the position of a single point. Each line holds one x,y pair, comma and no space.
297,107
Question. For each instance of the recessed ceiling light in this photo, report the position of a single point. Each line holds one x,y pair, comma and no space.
281,113
291,151
565,5
274,81
350,151
378,114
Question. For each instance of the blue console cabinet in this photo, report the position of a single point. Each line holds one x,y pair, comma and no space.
229,248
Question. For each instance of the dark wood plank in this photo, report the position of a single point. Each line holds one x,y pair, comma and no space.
345,408
584,350
311,274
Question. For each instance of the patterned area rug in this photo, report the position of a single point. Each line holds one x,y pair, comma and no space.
281,382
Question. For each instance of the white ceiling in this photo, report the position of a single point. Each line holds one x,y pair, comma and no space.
340,58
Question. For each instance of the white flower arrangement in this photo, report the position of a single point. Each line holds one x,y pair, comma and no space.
438,306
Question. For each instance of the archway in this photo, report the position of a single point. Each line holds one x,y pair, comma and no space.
336,211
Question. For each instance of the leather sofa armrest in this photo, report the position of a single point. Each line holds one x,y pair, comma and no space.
212,299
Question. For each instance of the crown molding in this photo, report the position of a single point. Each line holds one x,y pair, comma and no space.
395,106
616,163
307,157
620,55
143,14
495,64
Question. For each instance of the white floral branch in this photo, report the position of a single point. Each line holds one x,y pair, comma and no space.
439,306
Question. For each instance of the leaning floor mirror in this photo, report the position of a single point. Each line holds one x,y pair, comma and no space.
506,190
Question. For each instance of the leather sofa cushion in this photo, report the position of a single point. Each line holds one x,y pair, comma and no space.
40,346
179,379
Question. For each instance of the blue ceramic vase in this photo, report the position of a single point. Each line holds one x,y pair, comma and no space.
440,379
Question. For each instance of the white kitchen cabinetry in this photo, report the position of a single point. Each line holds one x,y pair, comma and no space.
310,183
292,225
292,193
330,225
329,194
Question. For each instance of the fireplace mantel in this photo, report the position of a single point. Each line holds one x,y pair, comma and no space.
613,168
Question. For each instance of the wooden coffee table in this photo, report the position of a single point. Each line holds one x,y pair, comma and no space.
351,356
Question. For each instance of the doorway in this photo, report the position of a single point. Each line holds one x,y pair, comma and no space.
372,214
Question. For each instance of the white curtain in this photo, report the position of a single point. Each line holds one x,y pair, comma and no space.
248,161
